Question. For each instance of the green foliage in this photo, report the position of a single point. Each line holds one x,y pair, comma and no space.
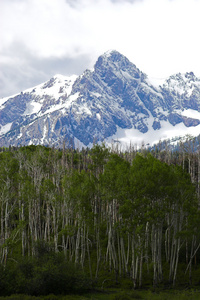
67,216
99,155
47,274
115,179
127,295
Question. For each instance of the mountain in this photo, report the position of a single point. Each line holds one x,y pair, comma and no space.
113,102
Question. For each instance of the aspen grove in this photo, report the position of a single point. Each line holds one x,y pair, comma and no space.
109,215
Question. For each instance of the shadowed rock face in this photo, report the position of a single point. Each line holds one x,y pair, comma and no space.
88,108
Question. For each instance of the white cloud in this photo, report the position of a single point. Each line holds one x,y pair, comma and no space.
159,36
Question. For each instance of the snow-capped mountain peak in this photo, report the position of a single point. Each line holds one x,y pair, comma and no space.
114,101
57,86
183,83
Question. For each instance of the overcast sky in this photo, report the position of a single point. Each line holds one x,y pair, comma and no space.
41,38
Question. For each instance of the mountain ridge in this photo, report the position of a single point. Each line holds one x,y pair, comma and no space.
114,101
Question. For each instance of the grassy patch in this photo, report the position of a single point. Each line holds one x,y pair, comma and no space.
118,294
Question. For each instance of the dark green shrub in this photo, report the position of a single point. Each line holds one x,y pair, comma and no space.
34,276
128,296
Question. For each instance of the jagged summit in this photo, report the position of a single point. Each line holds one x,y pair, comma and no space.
116,59
108,53
113,55
114,101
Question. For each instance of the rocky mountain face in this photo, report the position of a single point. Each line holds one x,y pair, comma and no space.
115,97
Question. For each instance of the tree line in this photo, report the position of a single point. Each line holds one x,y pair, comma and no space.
113,215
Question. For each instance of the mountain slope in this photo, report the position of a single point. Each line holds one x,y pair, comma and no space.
113,101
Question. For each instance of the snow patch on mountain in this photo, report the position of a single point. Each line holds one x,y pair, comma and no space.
4,129
191,113
132,136
32,108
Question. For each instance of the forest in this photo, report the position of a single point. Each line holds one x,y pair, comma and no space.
74,220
